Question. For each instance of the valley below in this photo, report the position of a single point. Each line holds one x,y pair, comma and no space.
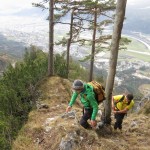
133,68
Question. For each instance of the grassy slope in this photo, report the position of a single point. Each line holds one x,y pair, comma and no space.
39,134
139,47
136,56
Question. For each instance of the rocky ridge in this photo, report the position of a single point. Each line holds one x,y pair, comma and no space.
50,128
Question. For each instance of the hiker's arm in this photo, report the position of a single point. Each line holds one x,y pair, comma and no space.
72,101
112,103
73,98
126,109
94,105
121,111
130,105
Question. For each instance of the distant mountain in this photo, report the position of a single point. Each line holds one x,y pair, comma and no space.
137,16
31,12
10,47
29,26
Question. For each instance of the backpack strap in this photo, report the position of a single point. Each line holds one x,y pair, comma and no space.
121,99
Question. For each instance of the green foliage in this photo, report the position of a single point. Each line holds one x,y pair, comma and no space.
16,96
4,132
100,79
63,42
17,86
76,71
123,42
60,65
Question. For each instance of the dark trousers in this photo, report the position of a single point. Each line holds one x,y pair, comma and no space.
119,120
87,113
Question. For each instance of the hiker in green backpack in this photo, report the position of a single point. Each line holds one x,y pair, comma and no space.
120,105
87,98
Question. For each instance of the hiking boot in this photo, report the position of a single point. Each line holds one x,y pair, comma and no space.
115,130
120,130
89,127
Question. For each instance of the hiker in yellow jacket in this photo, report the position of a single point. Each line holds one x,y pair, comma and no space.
120,105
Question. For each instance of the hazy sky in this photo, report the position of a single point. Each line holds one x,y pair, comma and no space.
12,6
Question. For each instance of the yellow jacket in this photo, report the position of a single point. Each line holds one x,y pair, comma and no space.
123,104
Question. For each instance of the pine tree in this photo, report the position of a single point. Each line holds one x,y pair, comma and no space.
118,24
83,12
96,10
51,39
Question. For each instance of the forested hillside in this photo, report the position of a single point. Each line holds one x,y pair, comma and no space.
18,94
35,84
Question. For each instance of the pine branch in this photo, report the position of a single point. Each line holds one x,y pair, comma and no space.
78,17
107,15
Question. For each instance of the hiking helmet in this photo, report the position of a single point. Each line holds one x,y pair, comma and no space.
77,85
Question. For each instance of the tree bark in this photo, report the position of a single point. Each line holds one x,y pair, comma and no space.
69,42
93,46
51,39
118,24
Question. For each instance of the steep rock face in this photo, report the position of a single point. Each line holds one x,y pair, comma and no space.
50,128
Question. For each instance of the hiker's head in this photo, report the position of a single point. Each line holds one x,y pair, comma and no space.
129,97
78,85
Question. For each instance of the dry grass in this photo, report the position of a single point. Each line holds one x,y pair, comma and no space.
46,128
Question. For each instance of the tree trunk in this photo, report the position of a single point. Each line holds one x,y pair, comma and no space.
118,24
69,43
51,38
93,46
